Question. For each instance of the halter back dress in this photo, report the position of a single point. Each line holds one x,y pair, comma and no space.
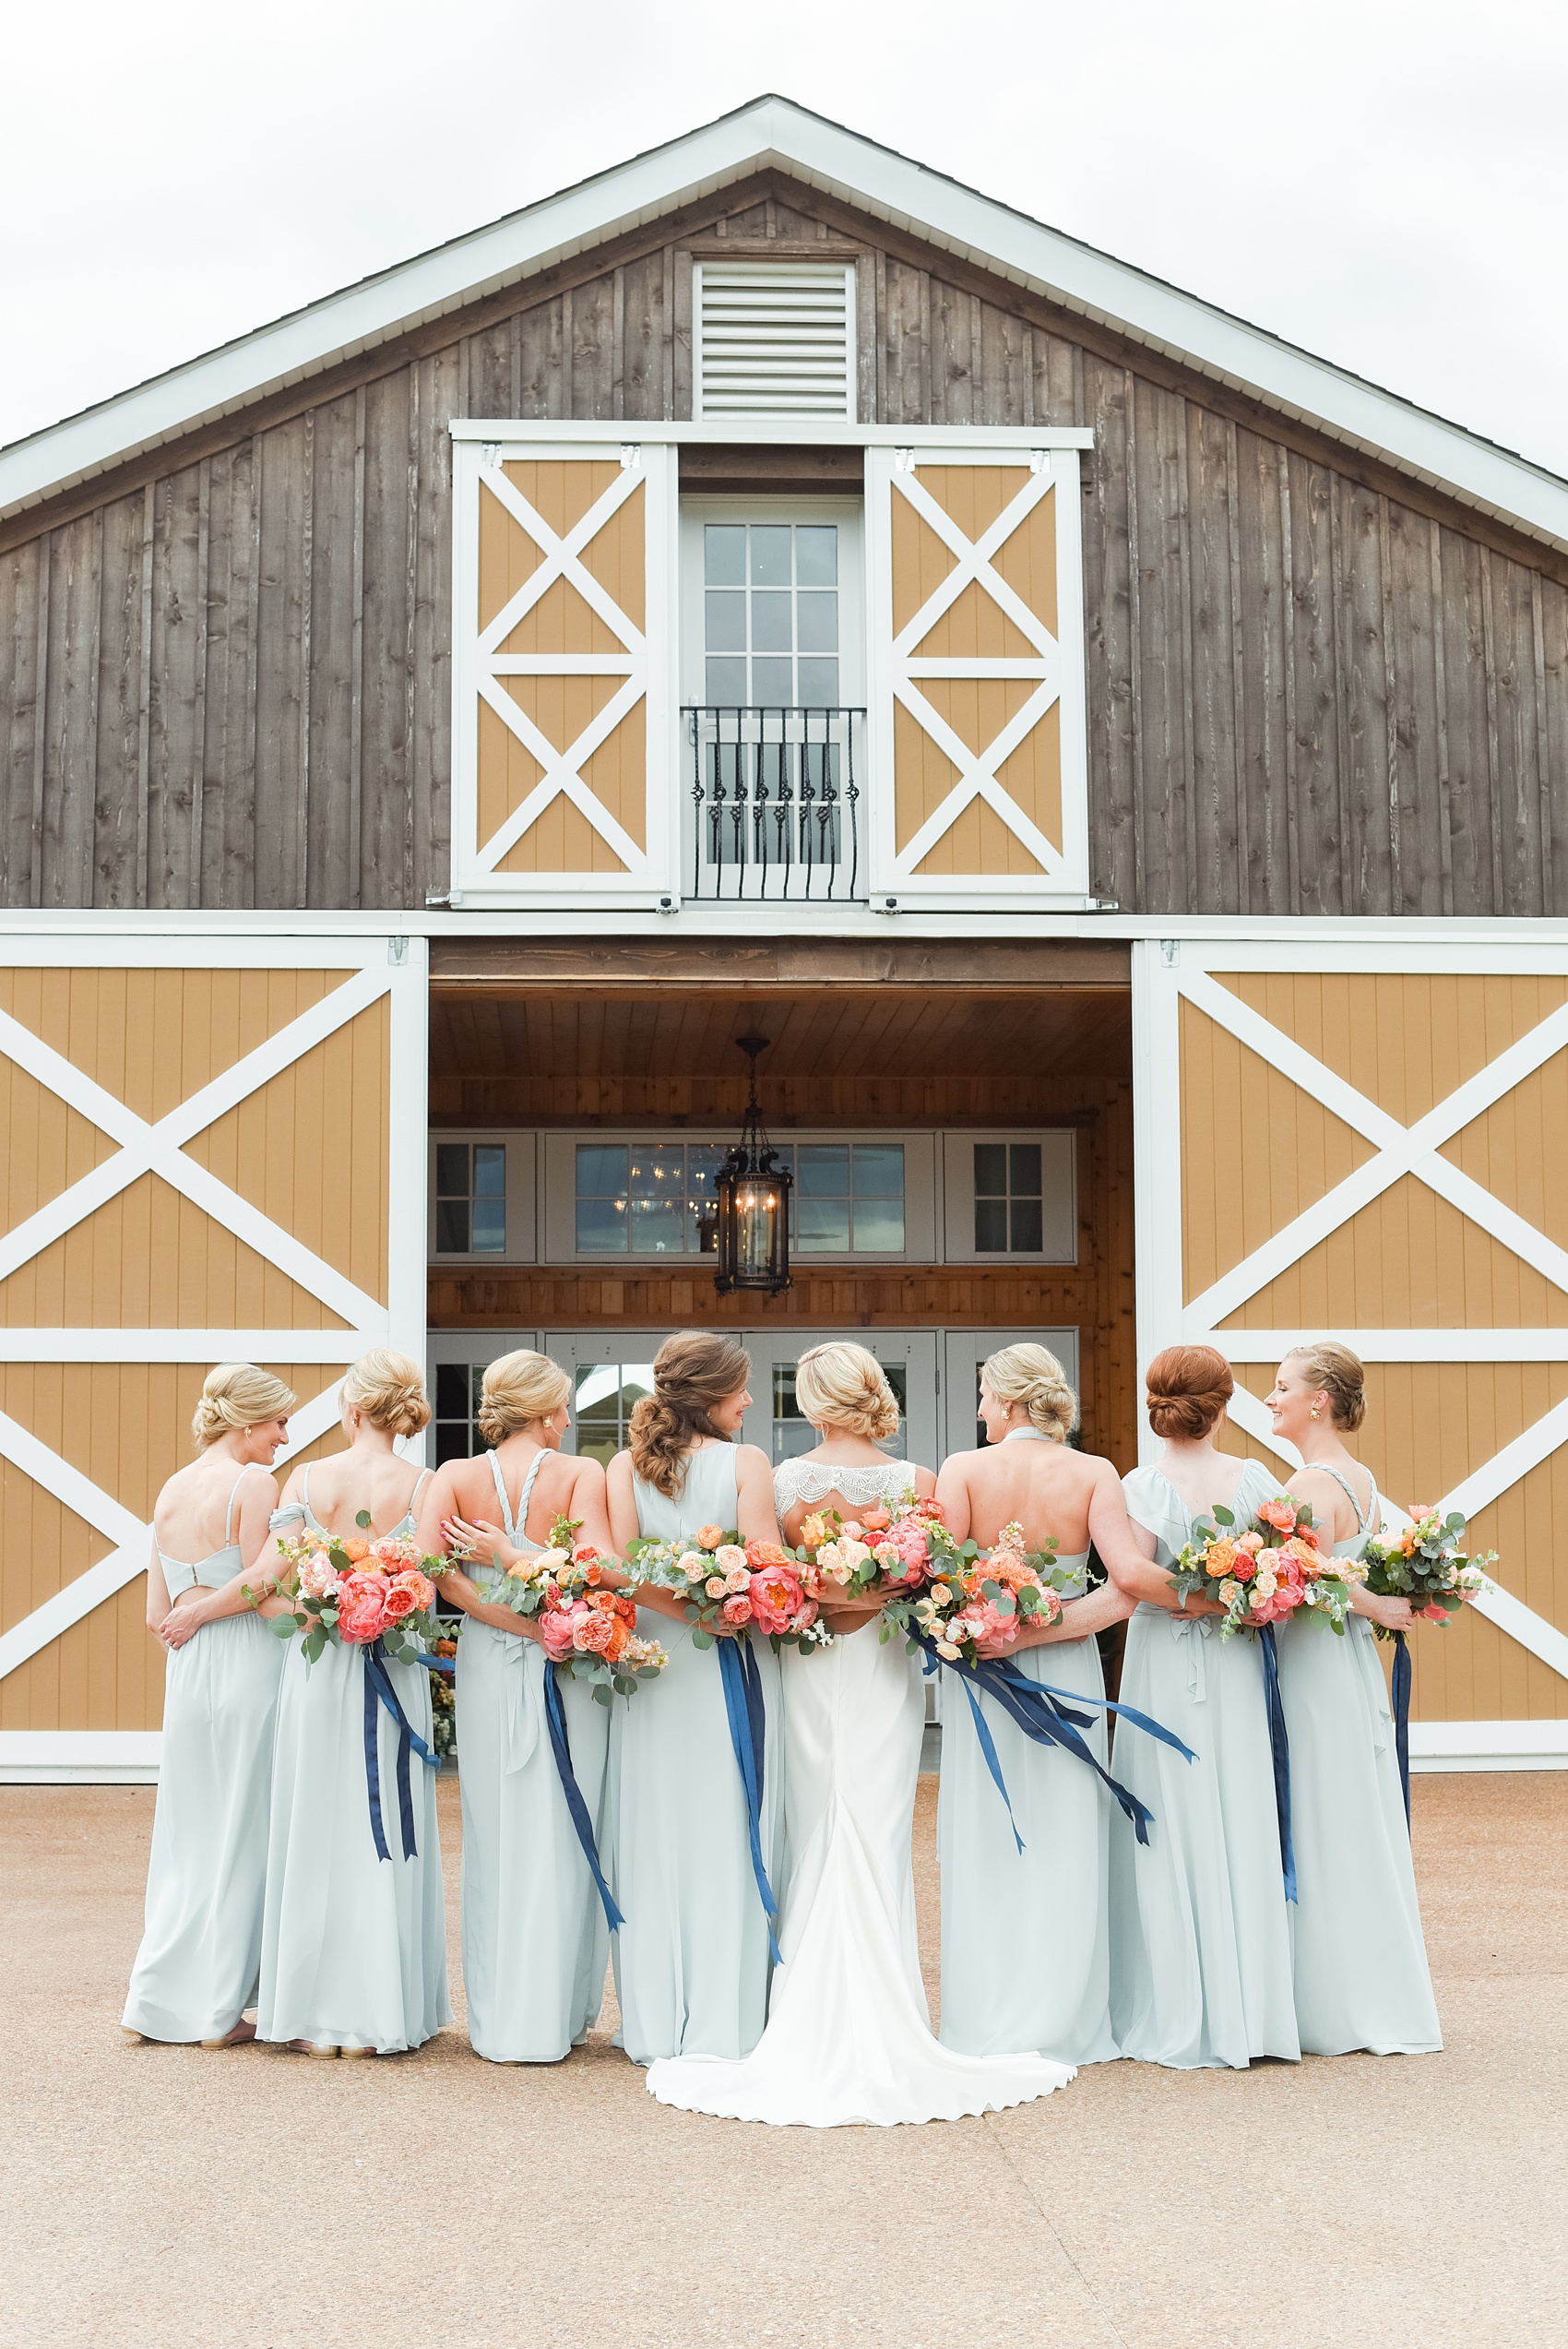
353,1949
1200,1941
691,1957
197,1968
1360,1961
535,1943
849,2034
1025,1936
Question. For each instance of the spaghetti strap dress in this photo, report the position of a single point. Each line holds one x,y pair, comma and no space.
1360,1961
691,1957
1200,1939
1025,1936
535,1941
849,2037
199,1962
354,1951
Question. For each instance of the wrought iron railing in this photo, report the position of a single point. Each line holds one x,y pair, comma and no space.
776,803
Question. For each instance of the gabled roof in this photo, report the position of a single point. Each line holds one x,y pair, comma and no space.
774,133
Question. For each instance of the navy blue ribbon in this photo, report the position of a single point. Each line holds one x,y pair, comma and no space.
1402,1716
556,1716
748,1734
1280,1743
378,1689
1036,1709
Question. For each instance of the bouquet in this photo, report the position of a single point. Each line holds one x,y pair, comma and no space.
1426,1565
881,1549
971,1595
581,1622
1265,1574
353,1590
749,1586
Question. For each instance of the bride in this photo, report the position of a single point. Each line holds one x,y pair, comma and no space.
849,2032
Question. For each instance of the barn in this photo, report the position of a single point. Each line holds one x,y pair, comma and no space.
1115,761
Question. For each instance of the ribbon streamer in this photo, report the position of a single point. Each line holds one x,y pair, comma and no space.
1402,1715
378,1688
748,1734
1036,1709
555,1717
1280,1743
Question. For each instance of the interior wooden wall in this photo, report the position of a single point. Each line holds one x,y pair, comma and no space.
1314,686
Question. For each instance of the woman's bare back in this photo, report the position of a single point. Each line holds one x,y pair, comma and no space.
345,1482
1045,1487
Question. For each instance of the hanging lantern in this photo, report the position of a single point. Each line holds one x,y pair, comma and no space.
753,1204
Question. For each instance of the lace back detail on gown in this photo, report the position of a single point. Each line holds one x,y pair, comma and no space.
809,1481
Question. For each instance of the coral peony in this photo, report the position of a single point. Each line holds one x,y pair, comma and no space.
362,1609
1281,1515
555,1630
775,1596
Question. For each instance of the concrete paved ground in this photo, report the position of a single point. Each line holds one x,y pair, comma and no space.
254,2199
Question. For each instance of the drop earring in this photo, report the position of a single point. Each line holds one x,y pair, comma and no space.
1314,1411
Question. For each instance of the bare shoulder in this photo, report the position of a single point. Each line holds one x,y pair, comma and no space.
619,1476
752,1459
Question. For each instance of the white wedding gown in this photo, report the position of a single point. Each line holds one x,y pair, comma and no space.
848,2033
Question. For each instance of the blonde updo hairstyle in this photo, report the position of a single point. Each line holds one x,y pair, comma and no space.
840,1385
1187,1388
236,1395
390,1390
693,1373
518,1389
1338,1374
1032,1375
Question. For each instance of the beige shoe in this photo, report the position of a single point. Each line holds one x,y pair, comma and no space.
321,2047
241,2036
134,2038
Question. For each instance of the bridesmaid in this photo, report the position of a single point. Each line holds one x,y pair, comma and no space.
1200,1944
353,1949
1026,1956
692,1959
198,1967
535,1941
1361,1962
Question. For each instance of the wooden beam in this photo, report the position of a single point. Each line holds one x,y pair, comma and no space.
638,966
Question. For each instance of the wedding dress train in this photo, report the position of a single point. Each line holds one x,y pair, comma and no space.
849,2034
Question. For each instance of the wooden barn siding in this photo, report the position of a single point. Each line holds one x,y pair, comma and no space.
1304,696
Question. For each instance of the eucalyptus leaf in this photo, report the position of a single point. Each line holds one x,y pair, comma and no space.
601,1694
363,1520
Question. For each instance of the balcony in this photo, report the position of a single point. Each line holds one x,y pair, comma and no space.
776,803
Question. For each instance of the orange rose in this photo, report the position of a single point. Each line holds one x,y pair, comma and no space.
709,1536
875,1521
1220,1559
354,1550
762,1554
1281,1515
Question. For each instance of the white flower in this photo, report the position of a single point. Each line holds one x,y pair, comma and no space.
946,1648
1265,1584
1229,1591
547,1562
737,1579
716,1586
728,1556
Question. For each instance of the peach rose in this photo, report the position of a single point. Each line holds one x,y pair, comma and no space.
709,1536
1251,1540
716,1586
354,1550
737,1610
876,1520
399,1601
764,1553
593,1633
419,1587
1219,1560
361,1608
728,1556
814,1530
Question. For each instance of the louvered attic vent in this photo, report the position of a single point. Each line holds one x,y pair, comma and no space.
774,338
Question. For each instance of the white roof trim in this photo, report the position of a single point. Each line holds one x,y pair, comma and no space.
774,132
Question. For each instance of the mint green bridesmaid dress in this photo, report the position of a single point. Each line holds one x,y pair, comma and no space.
1360,1961
1199,1940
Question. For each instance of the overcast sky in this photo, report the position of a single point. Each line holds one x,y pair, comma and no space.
1379,181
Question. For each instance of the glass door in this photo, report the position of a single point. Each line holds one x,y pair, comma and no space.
909,1357
610,1371
457,1361
964,1350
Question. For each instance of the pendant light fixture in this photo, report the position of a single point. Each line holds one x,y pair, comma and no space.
753,1203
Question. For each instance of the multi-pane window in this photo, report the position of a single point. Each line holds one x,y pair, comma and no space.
770,615
1009,1203
605,1394
470,1198
660,1199
458,1387
793,1433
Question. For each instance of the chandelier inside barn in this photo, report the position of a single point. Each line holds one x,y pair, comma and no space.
753,1203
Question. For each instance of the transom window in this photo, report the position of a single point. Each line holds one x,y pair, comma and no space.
660,1199
605,1396
470,1198
770,615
